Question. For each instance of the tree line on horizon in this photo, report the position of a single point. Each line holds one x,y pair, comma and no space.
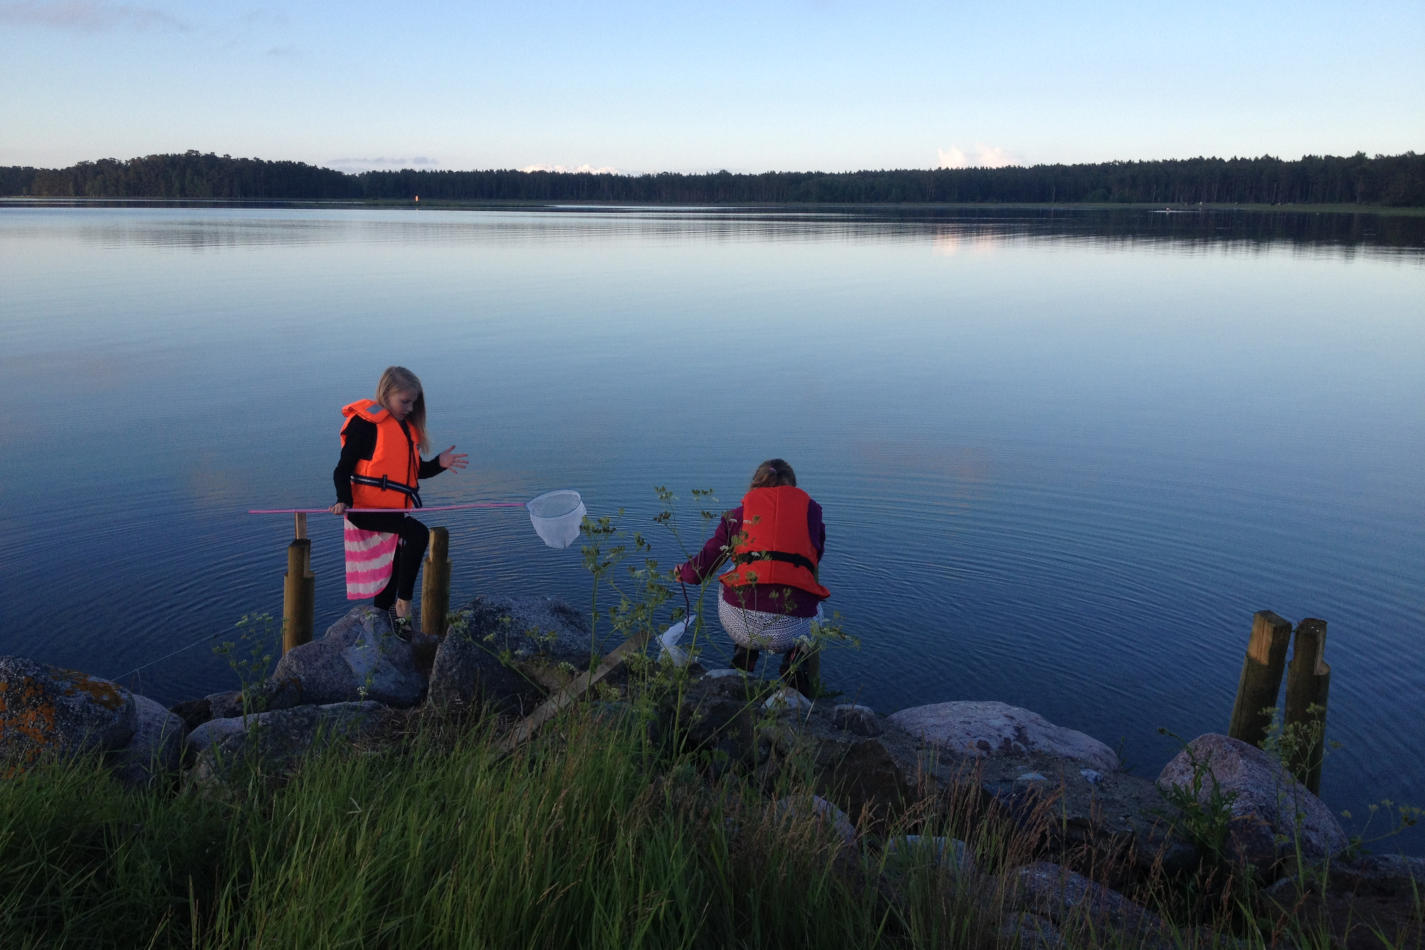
1384,180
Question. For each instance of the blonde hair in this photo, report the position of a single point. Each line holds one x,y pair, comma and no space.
398,378
772,473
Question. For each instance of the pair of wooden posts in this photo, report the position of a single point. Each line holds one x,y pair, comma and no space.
299,585
1308,680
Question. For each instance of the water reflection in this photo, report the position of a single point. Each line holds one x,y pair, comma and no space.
107,224
1064,455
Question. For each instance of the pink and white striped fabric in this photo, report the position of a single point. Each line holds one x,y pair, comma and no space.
369,555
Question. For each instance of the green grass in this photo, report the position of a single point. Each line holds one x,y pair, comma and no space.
588,837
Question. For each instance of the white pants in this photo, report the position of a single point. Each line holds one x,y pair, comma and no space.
756,630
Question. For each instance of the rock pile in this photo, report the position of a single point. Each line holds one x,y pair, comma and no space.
506,656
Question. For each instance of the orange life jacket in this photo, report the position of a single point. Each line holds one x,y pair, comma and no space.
389,478
774,546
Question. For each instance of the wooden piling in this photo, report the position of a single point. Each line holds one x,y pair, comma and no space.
298,590
1261,677
435,583
1308,682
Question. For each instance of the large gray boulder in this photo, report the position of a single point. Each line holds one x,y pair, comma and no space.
1371,900
877,774
154,752
476,663
357,659
864,761
984,729
48,710
1271,815
1120,819
718,714
273,743
1054,893
534,633
827,816
511,652
258,697
1392,874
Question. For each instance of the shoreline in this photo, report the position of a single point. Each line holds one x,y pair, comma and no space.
27,201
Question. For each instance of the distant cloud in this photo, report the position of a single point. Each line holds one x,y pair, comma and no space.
379,163
89,16
265,17
582,169
986,156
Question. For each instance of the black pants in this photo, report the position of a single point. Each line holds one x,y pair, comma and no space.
410,550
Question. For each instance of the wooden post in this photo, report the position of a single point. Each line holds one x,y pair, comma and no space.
1261,677
1308,681
298,590
435,584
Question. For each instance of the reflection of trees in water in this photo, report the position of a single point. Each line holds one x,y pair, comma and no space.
206,225
1313,229
1216,227
1246,228
200,225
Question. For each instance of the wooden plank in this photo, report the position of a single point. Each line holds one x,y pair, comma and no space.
527,727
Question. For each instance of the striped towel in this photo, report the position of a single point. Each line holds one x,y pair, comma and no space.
368,561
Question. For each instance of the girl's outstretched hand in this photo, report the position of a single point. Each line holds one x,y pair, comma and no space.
453,459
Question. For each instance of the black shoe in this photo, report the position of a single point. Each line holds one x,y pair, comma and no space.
400,626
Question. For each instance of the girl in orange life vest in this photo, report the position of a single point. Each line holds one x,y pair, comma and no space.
775,540
380,466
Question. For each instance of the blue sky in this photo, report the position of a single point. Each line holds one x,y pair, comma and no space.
642,87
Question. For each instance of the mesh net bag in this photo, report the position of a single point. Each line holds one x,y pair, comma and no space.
556,516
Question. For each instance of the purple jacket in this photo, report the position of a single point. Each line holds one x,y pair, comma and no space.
770,598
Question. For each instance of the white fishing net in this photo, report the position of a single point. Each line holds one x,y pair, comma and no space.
556,516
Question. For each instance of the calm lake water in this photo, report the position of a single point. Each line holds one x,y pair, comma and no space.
1063,457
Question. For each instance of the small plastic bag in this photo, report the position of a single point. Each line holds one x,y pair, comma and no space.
668,648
